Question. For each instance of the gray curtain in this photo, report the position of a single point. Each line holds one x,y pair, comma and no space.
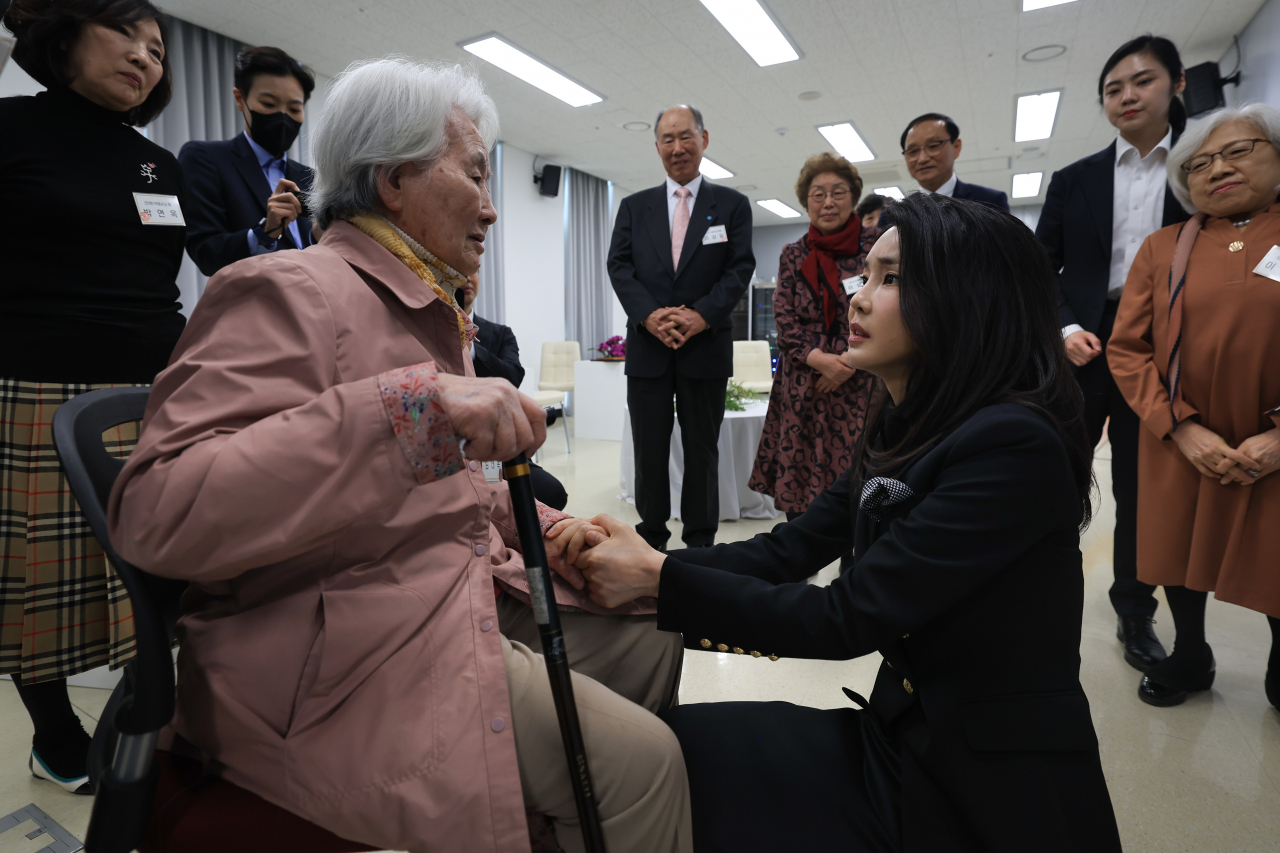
588,297
202,108
492,301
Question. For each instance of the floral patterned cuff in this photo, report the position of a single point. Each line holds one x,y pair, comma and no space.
420,423
548,516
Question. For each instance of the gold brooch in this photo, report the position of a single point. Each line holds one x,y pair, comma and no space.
1236,246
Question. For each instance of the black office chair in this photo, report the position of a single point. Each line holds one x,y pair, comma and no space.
193,811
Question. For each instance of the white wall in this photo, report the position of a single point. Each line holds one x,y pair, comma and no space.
1260,70
767,242
533,261
15,81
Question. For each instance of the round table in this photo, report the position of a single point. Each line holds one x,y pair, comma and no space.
739,440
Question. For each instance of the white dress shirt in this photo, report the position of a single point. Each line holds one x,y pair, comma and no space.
948,189
672,198
1137,209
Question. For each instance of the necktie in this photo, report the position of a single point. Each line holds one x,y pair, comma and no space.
681,225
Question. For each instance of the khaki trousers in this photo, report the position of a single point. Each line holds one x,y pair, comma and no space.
637,769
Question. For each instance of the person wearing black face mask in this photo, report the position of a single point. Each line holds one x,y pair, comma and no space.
247,193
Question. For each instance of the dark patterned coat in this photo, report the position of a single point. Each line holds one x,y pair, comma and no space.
809,436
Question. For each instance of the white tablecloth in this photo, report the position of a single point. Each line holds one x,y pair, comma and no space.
739,440
599,399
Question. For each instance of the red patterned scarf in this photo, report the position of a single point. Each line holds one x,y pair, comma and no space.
823,251
1177,279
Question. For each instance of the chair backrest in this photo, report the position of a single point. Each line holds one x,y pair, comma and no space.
558,359
144,700
752,361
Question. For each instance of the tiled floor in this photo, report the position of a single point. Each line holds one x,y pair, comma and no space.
1204,776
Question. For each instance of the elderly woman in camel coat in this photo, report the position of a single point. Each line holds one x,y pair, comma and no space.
354,644
1202,371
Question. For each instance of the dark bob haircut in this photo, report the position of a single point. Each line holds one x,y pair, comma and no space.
953,129
252,62
1164,52
873,202
979,299
46,30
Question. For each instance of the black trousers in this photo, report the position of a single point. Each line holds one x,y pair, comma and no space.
700,408
1102,399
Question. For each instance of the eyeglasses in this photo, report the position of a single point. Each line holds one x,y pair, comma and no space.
932,147
837,195
1234,151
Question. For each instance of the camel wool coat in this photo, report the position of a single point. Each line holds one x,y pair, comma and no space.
1193,531
340,653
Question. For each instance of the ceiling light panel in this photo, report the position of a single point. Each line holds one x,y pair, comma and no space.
516,62
847,142
1027,184
1036,115
1032,5
714,170
753,28
889,192
777,208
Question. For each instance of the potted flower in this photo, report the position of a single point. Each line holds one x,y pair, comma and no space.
614,349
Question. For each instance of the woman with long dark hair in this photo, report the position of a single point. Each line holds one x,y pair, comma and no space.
91,239
964,507
1097,213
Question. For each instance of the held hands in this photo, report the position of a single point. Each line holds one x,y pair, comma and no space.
1082,347
618,565
675,326
832,369
565,542
496,420
283,207
1213,457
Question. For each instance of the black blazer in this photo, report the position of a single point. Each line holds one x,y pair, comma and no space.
495,351
228,197
1075,228
711,278
997,745
985,195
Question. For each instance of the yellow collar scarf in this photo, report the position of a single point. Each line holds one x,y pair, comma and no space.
387,237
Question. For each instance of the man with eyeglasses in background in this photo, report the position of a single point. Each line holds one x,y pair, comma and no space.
931,144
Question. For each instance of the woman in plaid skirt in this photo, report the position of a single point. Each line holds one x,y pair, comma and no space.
91,239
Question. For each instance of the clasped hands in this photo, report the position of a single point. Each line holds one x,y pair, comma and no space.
1213,457
606,557
675,326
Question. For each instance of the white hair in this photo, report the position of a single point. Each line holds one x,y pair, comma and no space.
383,113
1264,117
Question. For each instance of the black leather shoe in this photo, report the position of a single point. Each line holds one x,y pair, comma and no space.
1142,649
1164,695
1272,685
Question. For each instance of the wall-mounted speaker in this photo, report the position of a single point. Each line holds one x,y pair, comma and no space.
1204,88
549,181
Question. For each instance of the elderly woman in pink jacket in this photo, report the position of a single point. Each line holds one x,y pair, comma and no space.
356,642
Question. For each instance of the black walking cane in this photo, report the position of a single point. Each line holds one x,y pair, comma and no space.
545,614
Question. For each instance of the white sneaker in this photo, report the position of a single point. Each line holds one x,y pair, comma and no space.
41,771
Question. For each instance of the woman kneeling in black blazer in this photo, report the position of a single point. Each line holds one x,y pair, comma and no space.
964,508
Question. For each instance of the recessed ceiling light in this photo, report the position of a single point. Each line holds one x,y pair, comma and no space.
891,192
636,126
809,96
714,170
846,140
777,208
1027,185
1032,5
516,62
753,28
1044,53
1036,115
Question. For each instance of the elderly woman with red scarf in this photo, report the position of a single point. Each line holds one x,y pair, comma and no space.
818,404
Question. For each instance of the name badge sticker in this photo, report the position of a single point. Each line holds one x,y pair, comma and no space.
492,471
159,209
715,234
853,284
1270,265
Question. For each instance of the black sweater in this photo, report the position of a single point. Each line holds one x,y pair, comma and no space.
87,291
